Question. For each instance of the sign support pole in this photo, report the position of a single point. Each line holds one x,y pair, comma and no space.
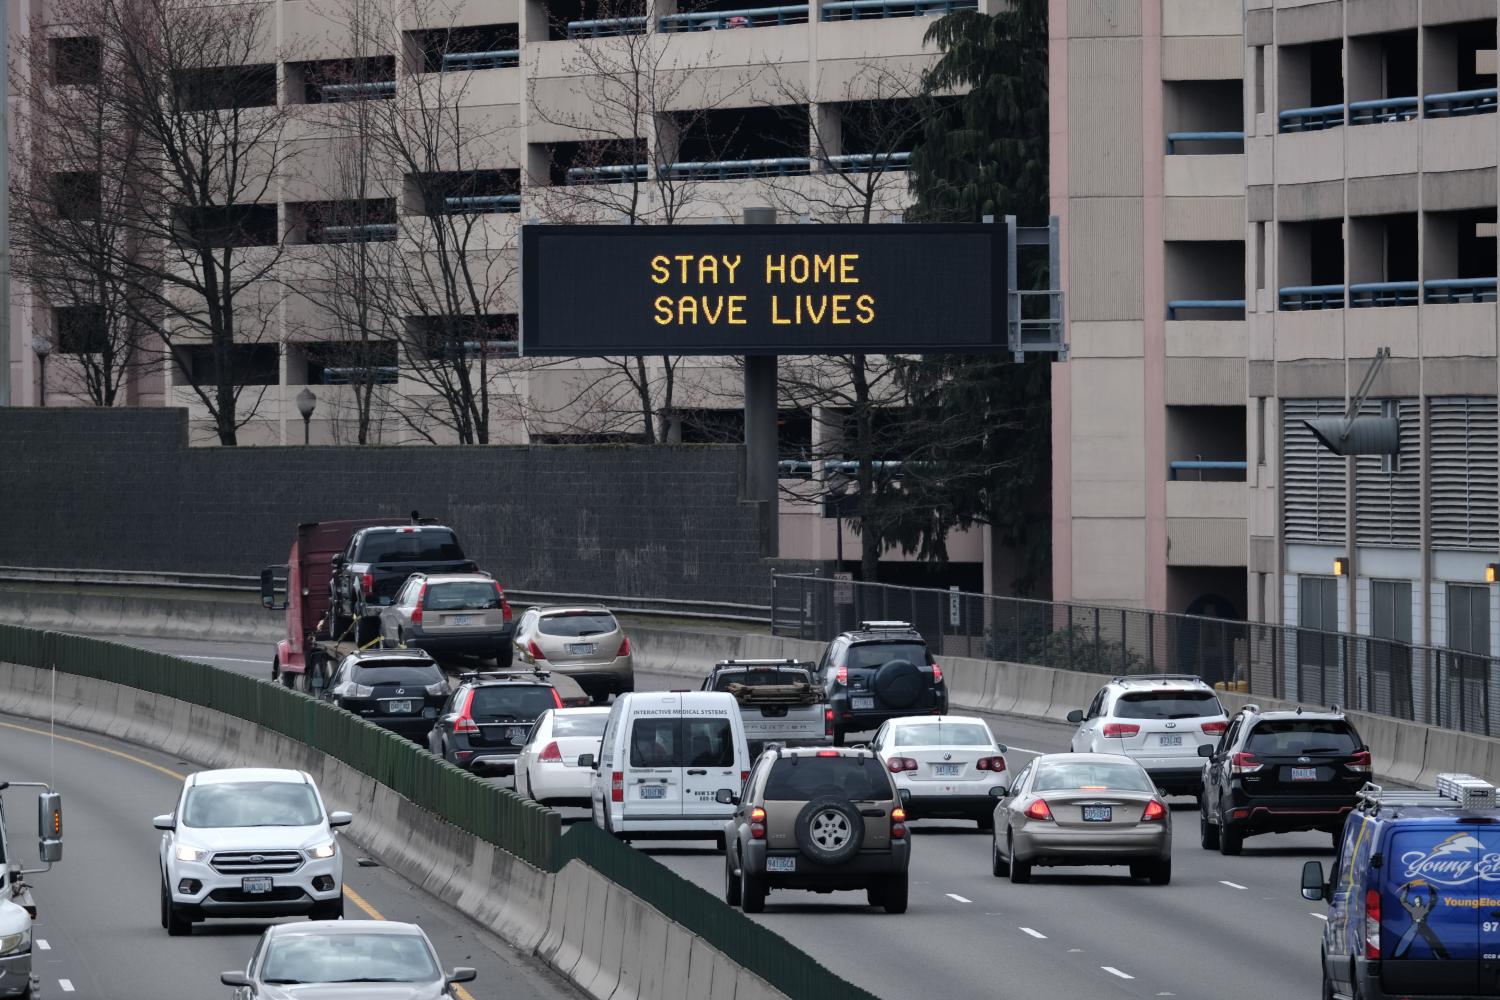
760,423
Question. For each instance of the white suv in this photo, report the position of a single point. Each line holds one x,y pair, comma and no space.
249,842
1157,720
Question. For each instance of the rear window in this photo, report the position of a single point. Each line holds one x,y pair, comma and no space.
759,678
1167,705
935,734
576,626
426,545
461,597
513,701
407,674
1302,736
874,654
676,742
1070,777
799,778
578,725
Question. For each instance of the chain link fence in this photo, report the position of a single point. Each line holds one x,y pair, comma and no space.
1439,687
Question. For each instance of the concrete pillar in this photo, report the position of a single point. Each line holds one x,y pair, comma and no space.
760,422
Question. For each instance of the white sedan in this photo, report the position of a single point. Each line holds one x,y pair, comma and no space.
547,768
944,766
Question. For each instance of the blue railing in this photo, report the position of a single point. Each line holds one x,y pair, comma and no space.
499,59
1459,102
1446,290
613,174
369,233
1200,305
758,17
458,204
1305,297
725,170
607,27
1311,119
332,93
1382,110
1173,138
1201,466
1368,294
867,162
859,10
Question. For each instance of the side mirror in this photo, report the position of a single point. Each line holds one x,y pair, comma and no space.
726,797
1000,791
1002,748
340,818
49,826
235,978
1205,750
1075,716
164,822
337,560
1313,886
461,975
587,760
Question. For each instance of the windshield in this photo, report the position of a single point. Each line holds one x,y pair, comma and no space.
868,655
1073,777
1168,705
759,677
1292,737
251,803
577,625
512,701
405,675
940,734
475,596
797,779
579,725
420,545
349,958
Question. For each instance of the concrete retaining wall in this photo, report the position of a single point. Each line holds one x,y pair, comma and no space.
170,614
604,939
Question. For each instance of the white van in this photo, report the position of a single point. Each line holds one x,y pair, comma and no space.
662,760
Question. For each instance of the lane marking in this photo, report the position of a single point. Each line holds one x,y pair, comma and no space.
954,895
1011,746
1321,916
1034,933
1232,885
67,986
42,945
1116,972
219,659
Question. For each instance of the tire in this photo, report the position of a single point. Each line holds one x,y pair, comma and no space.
1231,839
838,736
829,830
331,910
1208,833
1160,872
898,683
175,923
1020,871
731,884
289,681
1337,836
719,842
365,629
999,867
505,655
895,894
986,822
875,894
752,892
1327,983
1140,869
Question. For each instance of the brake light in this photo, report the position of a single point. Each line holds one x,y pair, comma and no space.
557,698
534,651
1244,763
828,753
937,674
1038,810
465,725
617,787
841,676
1372,923
895,765
367,583
828,722
504,604
744,777
1215,727
624,649
1154,811
1359,763
416,612
991,764
898,823
757,823
1121,729
551,753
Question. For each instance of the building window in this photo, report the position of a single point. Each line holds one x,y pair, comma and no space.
1469,618
1390,609
250,364
1260,256
75,61
1260,430
1260,79
1463,438
227,88
76,195
228,226
79,329
1318,603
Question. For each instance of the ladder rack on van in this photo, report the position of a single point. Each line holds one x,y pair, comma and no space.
1452,791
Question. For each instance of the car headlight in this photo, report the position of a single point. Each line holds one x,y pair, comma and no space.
10,944
322,851
185,853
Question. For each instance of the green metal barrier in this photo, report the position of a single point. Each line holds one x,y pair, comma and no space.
496,815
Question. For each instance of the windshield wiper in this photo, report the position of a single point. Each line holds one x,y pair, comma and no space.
370,979
282,982
1320,750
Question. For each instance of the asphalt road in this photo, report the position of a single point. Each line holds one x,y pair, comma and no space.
1226,928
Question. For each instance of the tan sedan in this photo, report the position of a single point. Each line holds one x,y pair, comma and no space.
1083,809
584,643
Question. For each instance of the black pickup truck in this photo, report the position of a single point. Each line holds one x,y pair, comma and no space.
369,573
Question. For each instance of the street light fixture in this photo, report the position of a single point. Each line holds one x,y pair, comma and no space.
41,347
306,403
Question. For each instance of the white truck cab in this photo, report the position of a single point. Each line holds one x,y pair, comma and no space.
17,908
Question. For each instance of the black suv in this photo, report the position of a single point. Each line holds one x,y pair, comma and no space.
369,573
1280,772
398,689
484,724
820,820
878,672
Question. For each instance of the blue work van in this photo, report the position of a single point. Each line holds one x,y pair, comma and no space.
1414,894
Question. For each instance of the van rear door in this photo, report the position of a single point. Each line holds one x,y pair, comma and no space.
652,774
1439,885
711,757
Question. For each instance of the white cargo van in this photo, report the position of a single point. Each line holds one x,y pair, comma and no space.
662,760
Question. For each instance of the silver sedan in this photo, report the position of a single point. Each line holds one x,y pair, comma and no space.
1083,809
345,960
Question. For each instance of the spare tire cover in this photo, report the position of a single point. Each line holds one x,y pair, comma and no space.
829,830
899,683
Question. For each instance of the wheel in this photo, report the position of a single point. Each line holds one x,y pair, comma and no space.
331,910
986,822
1160,872
505,655
731,884
1231,839
171,918
752,892
1208,833
1337,836
875,893
719,843
829,830
289,680
999,867
895,894
365,629
838,736
1140,869
1327,983
1020,871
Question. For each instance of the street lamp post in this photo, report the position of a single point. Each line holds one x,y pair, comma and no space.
306,403
41,347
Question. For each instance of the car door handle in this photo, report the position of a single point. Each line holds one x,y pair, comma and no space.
692,770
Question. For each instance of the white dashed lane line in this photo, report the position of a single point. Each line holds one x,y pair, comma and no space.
1116,972
42,945
1321,916
66,984
1011,746
1034,933
958,898
1232,885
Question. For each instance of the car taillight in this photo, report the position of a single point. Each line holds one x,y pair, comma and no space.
1359,763
504,604
1372,923
624,649
841,676
1154,811
828,753
1215,727
828,722
464,724
1038,810
898,823
937,674
1121,729
557,698
744,777
757,823
551,753
534,651
991,764
367,583
617,787
416,612
898,764
1244,763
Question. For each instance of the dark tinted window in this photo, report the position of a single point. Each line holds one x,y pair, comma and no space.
669,742
513,701
574,626
1301,736
759,678
461,596
874,654
405,674
801,778
578,725
427,545
1167,705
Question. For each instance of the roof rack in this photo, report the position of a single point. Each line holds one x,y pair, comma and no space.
1125,678
1453,791
787,662
471,675
885,626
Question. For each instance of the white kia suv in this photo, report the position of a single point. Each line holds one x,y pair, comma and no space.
249,842
1157,720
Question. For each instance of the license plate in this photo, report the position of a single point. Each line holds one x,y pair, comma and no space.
857,703
1170,740
462,619
653,791
254,885
947,770
581,648
1098,814
399,707
781,864
1304,774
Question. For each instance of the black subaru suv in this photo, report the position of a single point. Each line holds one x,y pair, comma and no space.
1280,772
485,723
877,672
